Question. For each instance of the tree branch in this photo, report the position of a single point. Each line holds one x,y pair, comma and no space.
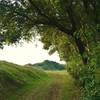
51,22
70,32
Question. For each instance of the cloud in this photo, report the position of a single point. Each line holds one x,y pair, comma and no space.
28,53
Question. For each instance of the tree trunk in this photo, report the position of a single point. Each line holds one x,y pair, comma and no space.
81,47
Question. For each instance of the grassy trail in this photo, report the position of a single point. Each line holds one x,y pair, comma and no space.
27,83
60,87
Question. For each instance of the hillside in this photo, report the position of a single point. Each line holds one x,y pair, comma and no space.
48,65
28,83
15,79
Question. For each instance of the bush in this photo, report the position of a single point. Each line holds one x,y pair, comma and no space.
88,78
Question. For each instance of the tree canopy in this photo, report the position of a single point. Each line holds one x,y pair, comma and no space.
71,27
66,26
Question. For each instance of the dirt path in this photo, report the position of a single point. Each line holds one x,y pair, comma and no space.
55,91
57,88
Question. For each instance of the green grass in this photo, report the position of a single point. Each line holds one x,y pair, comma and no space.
27,83
15,80
70,91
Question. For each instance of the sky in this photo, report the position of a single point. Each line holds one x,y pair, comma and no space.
27,53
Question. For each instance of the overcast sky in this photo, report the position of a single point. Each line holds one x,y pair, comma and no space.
28,53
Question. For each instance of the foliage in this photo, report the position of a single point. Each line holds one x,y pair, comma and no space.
20,19
88,76
71,27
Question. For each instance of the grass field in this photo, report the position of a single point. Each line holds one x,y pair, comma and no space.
26,83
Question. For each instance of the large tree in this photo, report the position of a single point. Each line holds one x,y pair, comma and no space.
77,20
71,27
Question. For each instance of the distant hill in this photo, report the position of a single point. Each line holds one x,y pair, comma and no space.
48,65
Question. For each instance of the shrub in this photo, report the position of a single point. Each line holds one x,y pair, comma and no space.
88,78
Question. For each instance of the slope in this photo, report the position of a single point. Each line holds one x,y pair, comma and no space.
28,83
16,80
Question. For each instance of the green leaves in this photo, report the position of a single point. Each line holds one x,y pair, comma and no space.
70,27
